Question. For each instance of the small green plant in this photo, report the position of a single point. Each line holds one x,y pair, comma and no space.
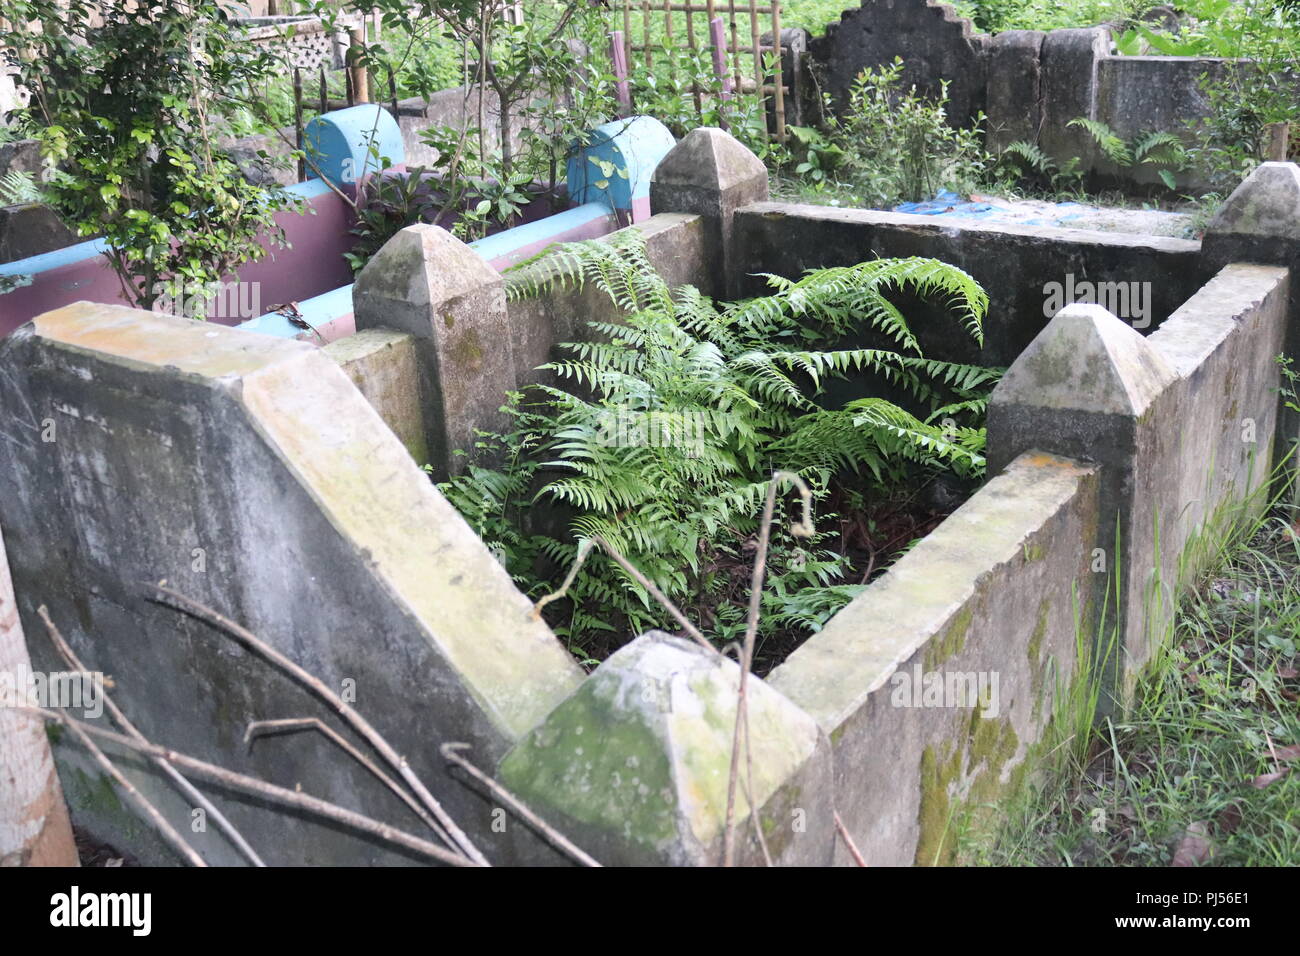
388,204
1026,163
17,186
659,436
817,157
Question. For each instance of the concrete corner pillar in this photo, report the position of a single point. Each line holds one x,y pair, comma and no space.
1088,388
712,174
1260,223
634,765
429,284
1068,88
1260,220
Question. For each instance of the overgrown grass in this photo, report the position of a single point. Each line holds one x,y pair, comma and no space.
1203,769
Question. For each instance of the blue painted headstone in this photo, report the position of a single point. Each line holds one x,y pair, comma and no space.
340,143
615,166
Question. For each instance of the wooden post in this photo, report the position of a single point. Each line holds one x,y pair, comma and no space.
645,34
694,48
735,44
297,121
718,40
777,80
357,69
1276,145
627,33
758,57
718,36
618,54
668,37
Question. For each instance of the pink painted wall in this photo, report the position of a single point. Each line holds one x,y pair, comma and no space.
312,262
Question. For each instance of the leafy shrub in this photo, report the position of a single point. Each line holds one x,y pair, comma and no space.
124,102
994,16
897,145
662,433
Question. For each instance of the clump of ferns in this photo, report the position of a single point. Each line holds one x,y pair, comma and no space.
663,430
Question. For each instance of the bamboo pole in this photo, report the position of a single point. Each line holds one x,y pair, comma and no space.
297,121
668,38
735,44
778,79
357,69
645,35
694,48
757,52
627,32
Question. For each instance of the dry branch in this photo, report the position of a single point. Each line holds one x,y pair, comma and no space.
185,787
269,791
552,835
292,724
201,611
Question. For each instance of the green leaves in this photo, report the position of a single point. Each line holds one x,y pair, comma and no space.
124,107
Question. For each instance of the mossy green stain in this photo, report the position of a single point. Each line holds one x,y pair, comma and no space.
606,764
935,844
951,642
467,352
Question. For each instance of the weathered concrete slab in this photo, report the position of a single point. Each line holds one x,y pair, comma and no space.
250,473
1260,222
1069,90
30,230
1181,422
634,766
988,600
934,43
1015,95
384,365
1019,266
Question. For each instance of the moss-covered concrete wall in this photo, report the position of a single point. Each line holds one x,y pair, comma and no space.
249,473
988,602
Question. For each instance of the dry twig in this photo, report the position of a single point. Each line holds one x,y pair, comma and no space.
801,528
290,725
269,791
552,835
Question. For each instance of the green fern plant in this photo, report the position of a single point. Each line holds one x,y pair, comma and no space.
1026,162
661,431
1161,149
17,187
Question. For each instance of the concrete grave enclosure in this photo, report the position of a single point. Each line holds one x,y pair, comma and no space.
279,483
1029,83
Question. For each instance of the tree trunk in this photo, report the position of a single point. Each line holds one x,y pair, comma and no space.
34,827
